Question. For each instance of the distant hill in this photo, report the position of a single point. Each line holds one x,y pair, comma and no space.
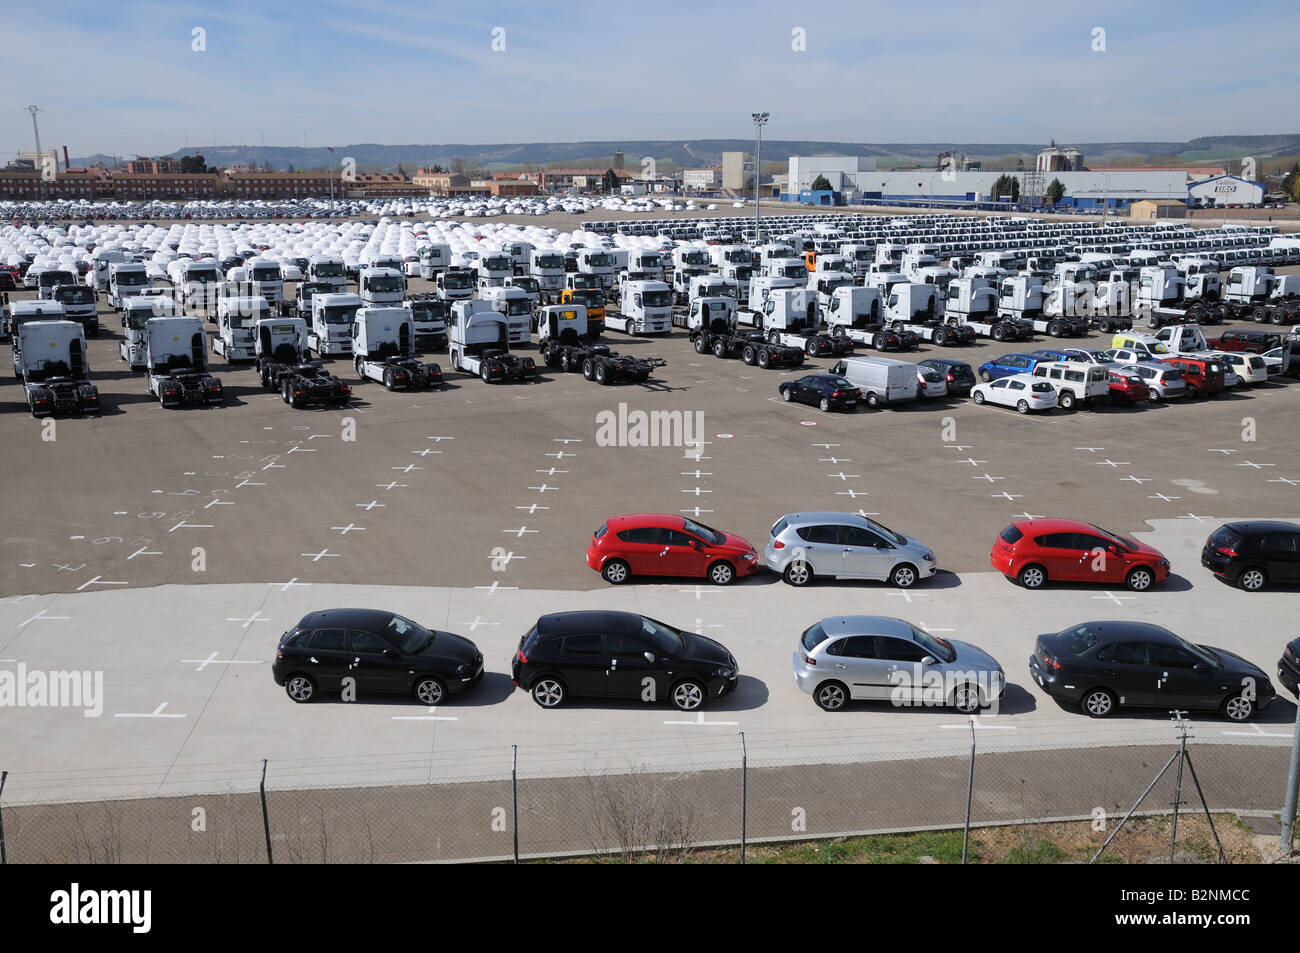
693,153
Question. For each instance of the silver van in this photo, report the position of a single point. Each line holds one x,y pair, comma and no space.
881,379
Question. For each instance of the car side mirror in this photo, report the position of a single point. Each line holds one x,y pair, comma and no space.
649,656
391,653
699,547
928,660
1200,667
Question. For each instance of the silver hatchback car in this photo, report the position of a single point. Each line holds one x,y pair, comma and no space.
802,546
878,658
1163,382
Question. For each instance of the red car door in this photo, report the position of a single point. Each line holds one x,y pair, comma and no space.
641,547
1108,565
1057,553
683,554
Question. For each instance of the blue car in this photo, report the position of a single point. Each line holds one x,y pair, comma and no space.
1049,354
1009,364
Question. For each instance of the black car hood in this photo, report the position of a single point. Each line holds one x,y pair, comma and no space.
1234,664
449,646
699,648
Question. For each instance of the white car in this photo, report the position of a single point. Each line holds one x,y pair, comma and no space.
930,383
1248,368
1273,360
1022,391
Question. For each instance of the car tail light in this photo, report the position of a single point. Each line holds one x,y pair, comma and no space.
836,393
1288,653
777,544
522,657
808,659
1051,663
279,653
1225,551
950,377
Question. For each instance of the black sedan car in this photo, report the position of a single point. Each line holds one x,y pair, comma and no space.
620,655
959,374
1254,554
373,650
827,391
1288,668
1103,665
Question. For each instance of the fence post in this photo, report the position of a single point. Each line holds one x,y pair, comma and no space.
514,794
970,793
266,821
1287,842
744,794
3,857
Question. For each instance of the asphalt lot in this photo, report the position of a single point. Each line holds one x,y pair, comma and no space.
188,699
487,483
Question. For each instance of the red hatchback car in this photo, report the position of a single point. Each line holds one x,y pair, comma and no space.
655,544
1126,388
1033,551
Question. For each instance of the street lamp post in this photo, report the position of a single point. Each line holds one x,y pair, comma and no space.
760,120
331,152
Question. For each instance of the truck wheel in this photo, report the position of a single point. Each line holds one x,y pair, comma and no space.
566,362
749,355
602,373
1276,316
940,337
1067,400
389,380
483,372
589,369
1103,326
700,344
356,366
999,333
1195,314
1054,328
772,336
764,358
286,393
879,341
719,348
873,401
1259,314
814,348
1153,323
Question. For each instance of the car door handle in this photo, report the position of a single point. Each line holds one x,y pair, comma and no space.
313,661
840,665
665,551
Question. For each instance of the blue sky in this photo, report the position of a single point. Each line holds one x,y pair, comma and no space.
124,78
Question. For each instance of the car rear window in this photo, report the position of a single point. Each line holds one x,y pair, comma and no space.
779,526
1079,639
1225,536
1011,534
1042,387
604,528
813,636
529,640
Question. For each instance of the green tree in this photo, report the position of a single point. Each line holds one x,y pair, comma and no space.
821,184
1055,191
192,165
1006,185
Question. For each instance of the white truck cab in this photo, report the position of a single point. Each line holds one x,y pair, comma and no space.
331,323
646,307
381,287
136,313
327,270
124,280
236,320
515,305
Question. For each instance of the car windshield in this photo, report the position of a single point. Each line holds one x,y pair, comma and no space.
660,636
896,538
266,274
73,294
338,315
1079,639
329,271
704,532
937,648
132,279
384,284
550,261
411,636
1121,540
457,281
1203,654
657,299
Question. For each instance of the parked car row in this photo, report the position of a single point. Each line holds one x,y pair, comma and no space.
1097,666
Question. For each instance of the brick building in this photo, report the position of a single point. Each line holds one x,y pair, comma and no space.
159,166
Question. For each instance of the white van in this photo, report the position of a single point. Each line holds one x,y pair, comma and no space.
881,379
1075,382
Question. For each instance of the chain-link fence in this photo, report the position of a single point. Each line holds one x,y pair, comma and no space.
552,802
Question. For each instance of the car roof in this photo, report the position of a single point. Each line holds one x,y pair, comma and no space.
1122,630
362,618
839,626
585,621
635,520
1247,527
825,516
1053,525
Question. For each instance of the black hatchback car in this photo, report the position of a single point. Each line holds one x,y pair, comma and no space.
1255,554
620,655
827,391
1103,665
1288,667
380,651
959,374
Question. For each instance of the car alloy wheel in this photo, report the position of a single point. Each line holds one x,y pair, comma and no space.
1033,577
1239,708
616,572
830,696
1252,579
825,404
1099,703
787,394
1140,579
1023,407
903,576
429,691
798,573
966,699
986,376
721,574
688,695
548,692
1067,400
300,688
978,397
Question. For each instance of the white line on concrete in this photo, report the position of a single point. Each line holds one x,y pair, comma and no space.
213,660
156,713
42,617
429,717
700,721
100,582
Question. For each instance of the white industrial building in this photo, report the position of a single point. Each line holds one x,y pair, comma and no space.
1226,190
858,180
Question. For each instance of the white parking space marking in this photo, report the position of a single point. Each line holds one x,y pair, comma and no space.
213,660
1008,496
97,581
495,588
519,533
323,554
477,621
184,525
852,494
551,472
698,591
41,617
286,586
695,511
1090,449
350,528
255,617
1118,600
144,551
1258,733
156,713
697,491
429,717
1112,464
991,479
1219,450
972,461
980,725
545,487
212,503
1193,516
845,476
1257,466
392,485
1286,481
408,468
371,505
1161,496
1138,480
425,452
700,721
